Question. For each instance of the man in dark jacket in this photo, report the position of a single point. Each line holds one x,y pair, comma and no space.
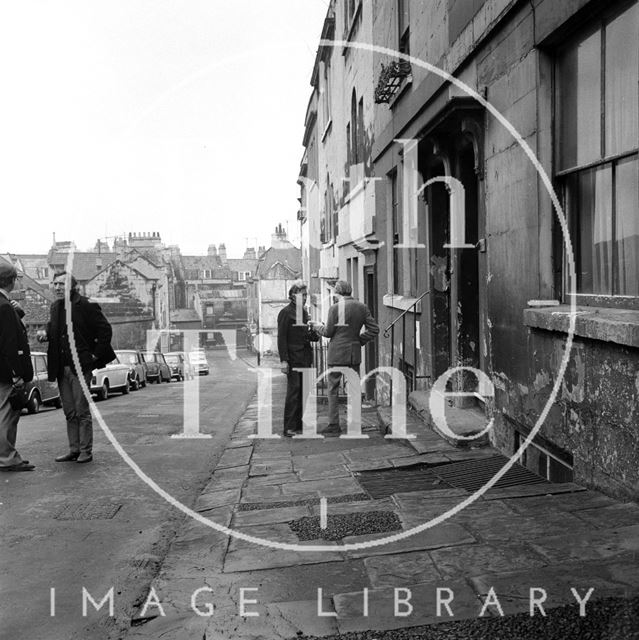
92,338
344,325
294,347
15,371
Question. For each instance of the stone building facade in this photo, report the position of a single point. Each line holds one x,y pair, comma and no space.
462,243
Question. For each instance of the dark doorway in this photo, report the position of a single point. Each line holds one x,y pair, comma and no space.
370,280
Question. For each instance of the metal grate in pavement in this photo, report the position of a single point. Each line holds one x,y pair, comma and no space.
470,475
88,511
474,474
385,482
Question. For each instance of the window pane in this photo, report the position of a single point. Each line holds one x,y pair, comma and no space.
590,206
627,227
579,100
622,80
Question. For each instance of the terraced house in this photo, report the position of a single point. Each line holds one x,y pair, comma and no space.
433,198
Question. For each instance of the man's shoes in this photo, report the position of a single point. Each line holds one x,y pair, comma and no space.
290,434
84,457
68,457
23,466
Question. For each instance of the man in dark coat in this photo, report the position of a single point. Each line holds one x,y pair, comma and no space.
294,347
92,337
15,370
344,325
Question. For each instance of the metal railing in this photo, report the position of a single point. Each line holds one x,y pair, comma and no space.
410,372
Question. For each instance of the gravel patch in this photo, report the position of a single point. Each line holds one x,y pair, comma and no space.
348,524
606,619
254,506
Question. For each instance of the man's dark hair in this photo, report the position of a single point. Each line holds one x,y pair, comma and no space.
8,274
343,288
297,287
60,274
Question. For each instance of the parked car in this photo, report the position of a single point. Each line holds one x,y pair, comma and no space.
177,363
137,366
113,377
157,369
199,362
40,390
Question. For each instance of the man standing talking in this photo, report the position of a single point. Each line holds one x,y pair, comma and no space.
344,325
294,347
92,338
15,370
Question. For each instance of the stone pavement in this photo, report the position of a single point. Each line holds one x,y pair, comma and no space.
489,555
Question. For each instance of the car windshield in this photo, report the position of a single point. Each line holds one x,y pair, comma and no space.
197,357
152,357
127,357
172,359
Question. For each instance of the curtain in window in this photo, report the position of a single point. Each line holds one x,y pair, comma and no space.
622,83
627,227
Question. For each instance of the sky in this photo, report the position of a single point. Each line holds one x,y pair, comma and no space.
180,117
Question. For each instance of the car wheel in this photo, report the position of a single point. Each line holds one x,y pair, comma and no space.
158,380
33,406
127,387
103,393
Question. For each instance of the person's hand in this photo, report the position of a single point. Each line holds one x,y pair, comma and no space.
42,336
284,367
18,382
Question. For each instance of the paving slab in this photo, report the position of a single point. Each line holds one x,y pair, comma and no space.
302,461
421,458
254,558
361,506
591,545
235,458
324,487
476,559
215,499
400,569
275,478
513,588
302,582
487,526
442,535
534,505
259,492
384,451
382,614
268,516
275,466
234,473
610,517
321,472
528,490
272,622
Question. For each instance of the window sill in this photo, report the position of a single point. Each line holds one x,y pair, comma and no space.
404,303
620,326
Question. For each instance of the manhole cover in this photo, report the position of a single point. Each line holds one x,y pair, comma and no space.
88,511
470,475
340,526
